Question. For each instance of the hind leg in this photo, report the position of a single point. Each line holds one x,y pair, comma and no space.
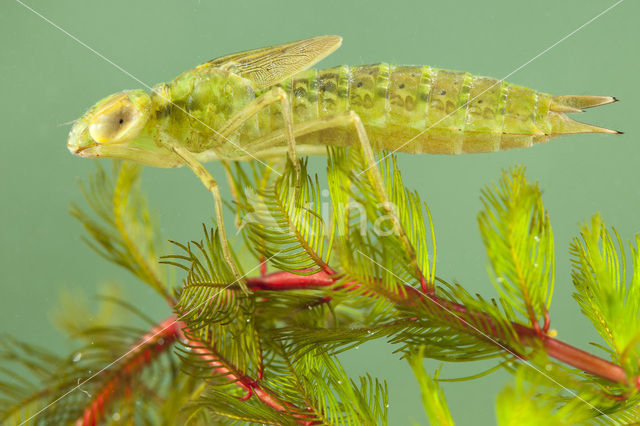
350,118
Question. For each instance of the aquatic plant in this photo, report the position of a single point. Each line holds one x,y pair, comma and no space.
321,282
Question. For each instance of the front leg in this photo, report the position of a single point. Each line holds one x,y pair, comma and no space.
212,186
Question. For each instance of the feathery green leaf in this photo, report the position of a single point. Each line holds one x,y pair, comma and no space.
517,235
123,230
606,298
433,398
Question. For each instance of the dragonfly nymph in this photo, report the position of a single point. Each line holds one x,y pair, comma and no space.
268,103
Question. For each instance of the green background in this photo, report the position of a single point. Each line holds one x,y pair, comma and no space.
48,79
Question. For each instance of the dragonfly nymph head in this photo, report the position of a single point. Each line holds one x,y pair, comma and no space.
115,120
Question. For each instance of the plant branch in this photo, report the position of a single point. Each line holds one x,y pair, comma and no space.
121,195
252,386
165,333
412,297
148,347
141,354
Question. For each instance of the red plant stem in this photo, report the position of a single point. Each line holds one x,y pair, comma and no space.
218,367
250,385
412,297
141,354
554,348
282,280
147,348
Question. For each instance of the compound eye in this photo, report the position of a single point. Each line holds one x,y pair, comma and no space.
112,122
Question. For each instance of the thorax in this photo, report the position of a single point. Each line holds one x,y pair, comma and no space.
191,108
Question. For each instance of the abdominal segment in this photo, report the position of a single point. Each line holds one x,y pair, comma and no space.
420,109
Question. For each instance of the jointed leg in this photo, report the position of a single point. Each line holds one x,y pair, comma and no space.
277,94
212,186
350,118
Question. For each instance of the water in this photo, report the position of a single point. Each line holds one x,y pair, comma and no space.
49,79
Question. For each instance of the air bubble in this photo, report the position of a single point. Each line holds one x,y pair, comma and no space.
77,357
116,416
